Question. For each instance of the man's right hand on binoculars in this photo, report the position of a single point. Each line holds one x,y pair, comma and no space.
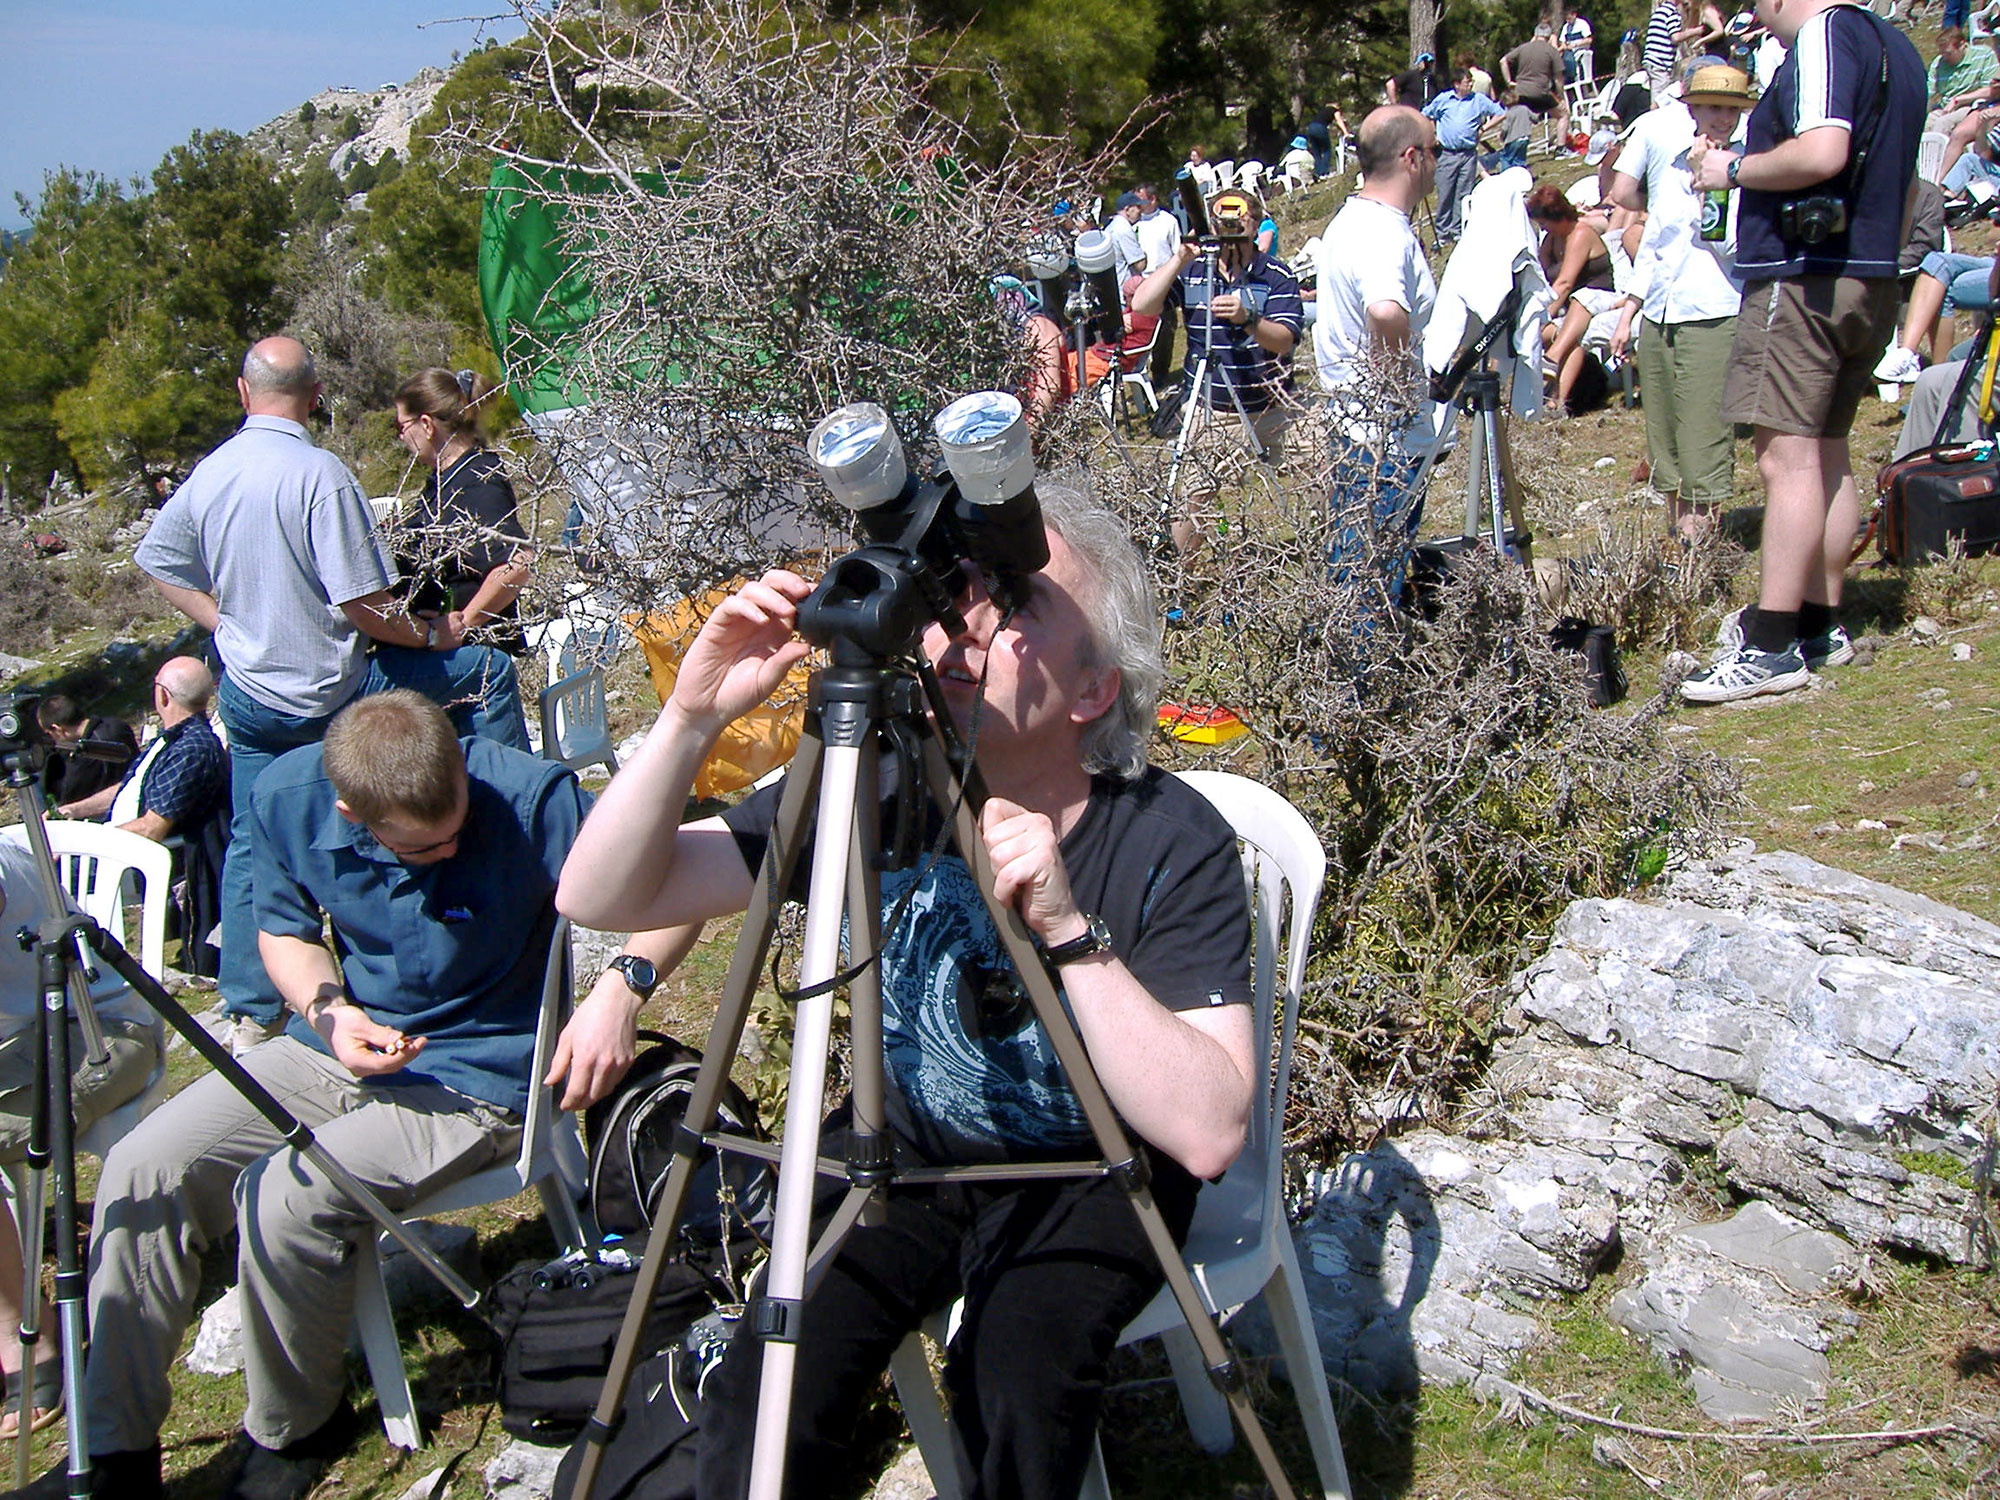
743,651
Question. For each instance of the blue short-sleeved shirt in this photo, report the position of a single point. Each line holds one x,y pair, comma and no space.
1458,118
1833,76
452,951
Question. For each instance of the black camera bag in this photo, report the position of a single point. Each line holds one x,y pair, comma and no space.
556,1341
1942,492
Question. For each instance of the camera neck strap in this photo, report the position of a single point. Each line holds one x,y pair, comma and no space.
1857,160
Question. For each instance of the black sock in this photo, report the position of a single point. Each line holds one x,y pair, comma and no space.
1772,630
1814,619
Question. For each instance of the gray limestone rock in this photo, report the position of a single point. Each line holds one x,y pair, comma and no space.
1742,1305
523,1471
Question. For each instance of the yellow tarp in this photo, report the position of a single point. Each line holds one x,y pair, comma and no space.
756,744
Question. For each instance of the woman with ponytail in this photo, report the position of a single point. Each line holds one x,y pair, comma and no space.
474,556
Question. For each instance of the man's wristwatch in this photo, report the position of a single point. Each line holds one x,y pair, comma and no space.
1735,166
1095,938
640,975
430,633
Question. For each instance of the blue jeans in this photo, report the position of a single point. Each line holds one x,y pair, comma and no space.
476,684
1376,511
1964,278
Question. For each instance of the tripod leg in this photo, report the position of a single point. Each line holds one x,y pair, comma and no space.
730,1017
1188,409
1495,490
29,1207
70,1308
1125,1165
775,1316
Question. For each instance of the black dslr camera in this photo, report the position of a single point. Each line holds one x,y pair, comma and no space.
1814,220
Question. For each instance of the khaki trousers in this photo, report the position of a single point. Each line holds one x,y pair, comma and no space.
207,1161
1693,450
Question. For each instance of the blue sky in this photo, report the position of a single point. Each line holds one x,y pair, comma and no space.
113,84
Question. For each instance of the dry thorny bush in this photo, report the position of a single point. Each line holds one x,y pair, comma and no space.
822,243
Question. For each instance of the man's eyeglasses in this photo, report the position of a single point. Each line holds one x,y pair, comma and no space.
421,849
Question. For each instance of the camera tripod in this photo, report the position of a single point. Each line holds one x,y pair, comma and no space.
1203,399
862,706
1492,493
63,944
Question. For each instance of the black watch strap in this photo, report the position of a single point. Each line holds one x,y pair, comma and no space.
1095,938
639,974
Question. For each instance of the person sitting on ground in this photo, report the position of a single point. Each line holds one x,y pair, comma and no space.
1946,281
182,776
1299,164
1575,259
435,861
1076,824
132,1038
1961,77
1932,394
1534,71
88,754
462,552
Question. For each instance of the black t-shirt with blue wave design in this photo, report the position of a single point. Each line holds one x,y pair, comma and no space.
972,1075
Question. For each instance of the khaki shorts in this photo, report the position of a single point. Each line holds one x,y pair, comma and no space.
1217,445
1805,352
94,1092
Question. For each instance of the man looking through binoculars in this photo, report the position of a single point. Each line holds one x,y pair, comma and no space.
1243,315
1062,693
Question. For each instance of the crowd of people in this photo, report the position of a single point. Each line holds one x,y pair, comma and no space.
396,859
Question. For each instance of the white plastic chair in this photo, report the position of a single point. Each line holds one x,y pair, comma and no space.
1137,372
1250,176
1239,1244
1930,155
576,726
1225,175
92,863
551,1160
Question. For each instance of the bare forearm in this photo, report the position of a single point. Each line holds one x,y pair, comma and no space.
303,975
620,862
1177,1086
1802,162
197,606
96,805
497,590
150,825
383,617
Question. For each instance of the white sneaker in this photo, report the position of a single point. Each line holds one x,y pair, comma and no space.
1899,366
1746,674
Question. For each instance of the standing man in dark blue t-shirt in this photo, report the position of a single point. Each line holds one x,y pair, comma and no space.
1828,182
434,861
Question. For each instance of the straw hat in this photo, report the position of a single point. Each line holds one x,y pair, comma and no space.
1718,84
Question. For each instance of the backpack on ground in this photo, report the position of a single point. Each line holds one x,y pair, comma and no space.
558,1323
630,1136
652,1454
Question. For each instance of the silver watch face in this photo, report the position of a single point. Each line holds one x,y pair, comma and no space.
639,972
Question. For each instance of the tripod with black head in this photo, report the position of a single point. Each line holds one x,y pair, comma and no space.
878,698
67,946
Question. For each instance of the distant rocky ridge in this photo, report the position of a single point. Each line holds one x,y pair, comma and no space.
387,114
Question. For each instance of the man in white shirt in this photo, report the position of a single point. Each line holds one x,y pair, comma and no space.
1375,296
1125,237
1160,237
1685,286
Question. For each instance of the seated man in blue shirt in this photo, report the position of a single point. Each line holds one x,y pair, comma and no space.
1459,114
436,861
182,776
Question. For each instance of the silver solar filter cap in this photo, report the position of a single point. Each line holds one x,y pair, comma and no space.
987,446
857,453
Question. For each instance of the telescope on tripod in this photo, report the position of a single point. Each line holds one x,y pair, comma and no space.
884,783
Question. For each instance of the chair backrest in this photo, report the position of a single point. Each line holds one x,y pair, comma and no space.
576,727
1930,155
557,992
1225,174
1282,858
92,861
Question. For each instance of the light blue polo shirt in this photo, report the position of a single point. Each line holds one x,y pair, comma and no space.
1458,119
453,951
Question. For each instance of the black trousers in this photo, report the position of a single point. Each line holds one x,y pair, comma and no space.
1050,1272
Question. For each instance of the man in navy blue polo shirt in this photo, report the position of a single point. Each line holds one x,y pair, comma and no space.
435,860
1828,183
1243,316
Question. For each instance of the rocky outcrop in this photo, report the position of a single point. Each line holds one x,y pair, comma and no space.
1813,1044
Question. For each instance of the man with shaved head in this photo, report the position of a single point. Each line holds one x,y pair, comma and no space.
182,776
1375,296
271,546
